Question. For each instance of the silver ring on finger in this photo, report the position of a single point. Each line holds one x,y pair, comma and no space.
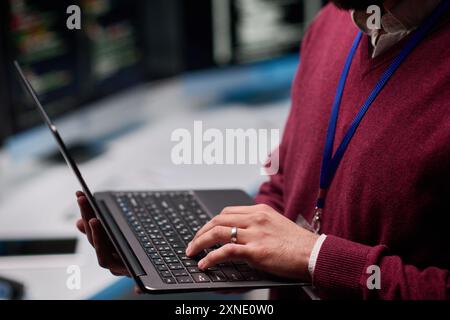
233,234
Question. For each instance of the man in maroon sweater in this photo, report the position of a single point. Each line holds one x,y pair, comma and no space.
388,206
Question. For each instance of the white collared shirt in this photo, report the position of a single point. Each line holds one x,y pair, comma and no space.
396,23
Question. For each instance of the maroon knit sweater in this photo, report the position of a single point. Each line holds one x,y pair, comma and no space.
389,204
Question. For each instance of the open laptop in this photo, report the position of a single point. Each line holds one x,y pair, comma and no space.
151,229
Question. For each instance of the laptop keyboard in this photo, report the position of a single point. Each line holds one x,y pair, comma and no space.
164,223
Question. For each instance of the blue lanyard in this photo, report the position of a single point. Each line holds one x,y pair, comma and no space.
330,163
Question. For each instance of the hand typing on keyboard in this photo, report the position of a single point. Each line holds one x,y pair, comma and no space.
267,240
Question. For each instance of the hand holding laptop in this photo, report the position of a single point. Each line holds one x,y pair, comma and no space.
107,255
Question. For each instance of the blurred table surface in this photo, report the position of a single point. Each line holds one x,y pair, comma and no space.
37,198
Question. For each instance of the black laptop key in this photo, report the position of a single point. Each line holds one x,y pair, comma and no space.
232,274
190,263
161,267
172,239
184,279
217,276
194,223
179,251
166,227
177,245
200,277
167,254
171,260
179,273
166,274
175,266
148,244
184,232
193,269
162,222
179,226
164,204
150,250
158,261
169,280
175,221
134,222
183,257
154,255
169,233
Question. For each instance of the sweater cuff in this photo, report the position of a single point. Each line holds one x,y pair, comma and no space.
314,254
340,267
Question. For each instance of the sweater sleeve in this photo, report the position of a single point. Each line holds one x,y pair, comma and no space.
343,270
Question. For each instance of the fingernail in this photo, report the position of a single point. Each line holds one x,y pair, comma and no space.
201,264
188,250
